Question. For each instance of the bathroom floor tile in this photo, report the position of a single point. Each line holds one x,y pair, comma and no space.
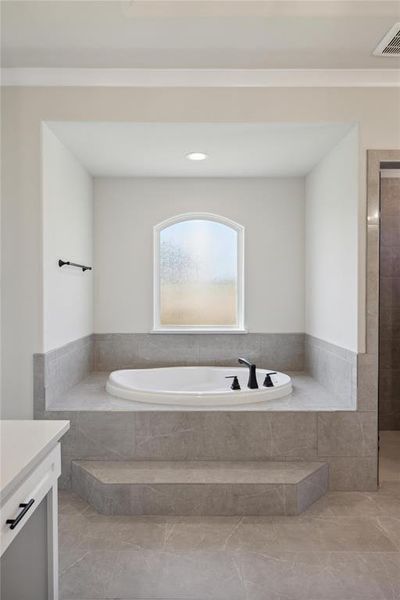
320,576
328,553
389,466
346,546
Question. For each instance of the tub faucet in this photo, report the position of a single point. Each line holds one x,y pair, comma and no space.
252,383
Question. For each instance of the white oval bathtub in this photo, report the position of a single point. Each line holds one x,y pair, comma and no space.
194,386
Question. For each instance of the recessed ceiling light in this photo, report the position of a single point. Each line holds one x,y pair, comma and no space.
196,156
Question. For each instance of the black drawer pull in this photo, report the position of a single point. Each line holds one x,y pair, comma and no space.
25,507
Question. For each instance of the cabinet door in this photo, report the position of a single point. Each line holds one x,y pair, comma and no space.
24,565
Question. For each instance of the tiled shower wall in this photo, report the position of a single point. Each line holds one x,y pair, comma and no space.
389,322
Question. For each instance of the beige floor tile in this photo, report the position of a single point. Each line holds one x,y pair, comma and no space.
389,456
320,576
345,547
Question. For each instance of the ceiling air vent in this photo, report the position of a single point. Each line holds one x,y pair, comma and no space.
390,45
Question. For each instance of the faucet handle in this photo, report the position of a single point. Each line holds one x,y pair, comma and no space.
235,383
268,381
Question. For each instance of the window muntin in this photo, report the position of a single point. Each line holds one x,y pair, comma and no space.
198,274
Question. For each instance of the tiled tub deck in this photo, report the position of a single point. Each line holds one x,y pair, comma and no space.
310,425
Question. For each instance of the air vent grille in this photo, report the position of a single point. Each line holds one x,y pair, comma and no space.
390,45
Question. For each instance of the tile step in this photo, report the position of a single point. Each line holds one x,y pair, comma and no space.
199,487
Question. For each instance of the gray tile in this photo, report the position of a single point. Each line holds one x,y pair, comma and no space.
224,435
109,434
314,576
88,574
307,395
390,197
347,434
39,391
389,324
277,351
283,352
92,531
332,366
391,527
352,474
226,349
158,350
344,548
294,434
390,291
59,370
390,228
312,488
389,354
116,351
306,534
206,499
373,254
389,262
367,394
198,575
367,383
373,333
201,488
380,503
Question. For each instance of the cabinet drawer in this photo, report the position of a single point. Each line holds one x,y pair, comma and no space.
34,487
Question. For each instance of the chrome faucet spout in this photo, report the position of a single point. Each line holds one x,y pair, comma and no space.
252,383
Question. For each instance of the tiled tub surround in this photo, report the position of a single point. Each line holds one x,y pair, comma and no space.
199,487
307,395
285,351
58,370
344,440
333,367
389,320
116,430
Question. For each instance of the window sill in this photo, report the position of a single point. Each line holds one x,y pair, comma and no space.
204,330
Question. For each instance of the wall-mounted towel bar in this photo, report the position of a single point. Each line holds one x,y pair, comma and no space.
61,263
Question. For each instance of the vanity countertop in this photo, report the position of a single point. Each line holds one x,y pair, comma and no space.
23,445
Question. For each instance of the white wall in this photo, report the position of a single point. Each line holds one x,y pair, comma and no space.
331,233
67,234
271,210
23,110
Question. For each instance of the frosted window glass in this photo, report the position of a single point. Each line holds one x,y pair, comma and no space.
198,274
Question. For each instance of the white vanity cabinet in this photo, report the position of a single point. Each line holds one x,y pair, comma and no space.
30,467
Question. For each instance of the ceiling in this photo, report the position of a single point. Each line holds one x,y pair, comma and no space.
234,150
206,34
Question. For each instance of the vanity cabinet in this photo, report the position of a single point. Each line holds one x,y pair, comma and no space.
30,467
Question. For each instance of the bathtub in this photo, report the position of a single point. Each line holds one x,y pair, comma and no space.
194,386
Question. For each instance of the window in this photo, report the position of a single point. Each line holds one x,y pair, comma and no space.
198,274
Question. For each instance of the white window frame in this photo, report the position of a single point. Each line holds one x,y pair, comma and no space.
239,327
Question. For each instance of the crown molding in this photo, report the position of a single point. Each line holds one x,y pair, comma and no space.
88,77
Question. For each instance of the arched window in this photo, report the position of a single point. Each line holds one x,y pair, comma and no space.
198,274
